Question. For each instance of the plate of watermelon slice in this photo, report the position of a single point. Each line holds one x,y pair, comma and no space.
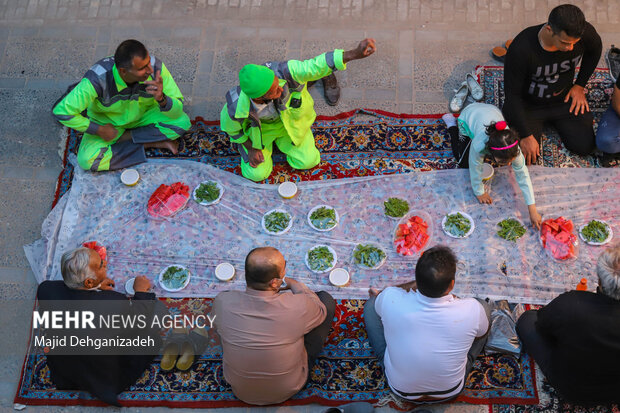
167,200
413,233
558,238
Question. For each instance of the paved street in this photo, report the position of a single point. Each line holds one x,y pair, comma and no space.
425,48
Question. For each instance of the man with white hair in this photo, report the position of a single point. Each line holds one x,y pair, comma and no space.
86,286
575,339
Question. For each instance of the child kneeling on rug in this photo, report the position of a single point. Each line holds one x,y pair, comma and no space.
482,131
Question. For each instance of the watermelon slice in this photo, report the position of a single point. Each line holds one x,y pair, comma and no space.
557,238
411,236
168,200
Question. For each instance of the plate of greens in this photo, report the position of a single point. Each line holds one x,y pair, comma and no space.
174,278
369,256
395,208
277,222
458,224
208,193
321,258
323,218
596,232
510,229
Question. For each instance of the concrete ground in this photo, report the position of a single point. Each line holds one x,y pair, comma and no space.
425,47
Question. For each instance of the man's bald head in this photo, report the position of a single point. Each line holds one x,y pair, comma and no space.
263,265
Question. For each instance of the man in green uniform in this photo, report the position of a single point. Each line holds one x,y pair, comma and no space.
272,104
131,103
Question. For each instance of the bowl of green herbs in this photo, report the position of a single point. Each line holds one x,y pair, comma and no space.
596,232
510,229
369,256
323,218
277,222
458,224
174,278
321,258
208,193
395,208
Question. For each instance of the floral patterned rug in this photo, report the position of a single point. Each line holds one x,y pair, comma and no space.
346,371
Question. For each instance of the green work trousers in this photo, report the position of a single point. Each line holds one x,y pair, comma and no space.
302,156
96,154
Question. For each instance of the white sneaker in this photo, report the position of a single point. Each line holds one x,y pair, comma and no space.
458,101
474,87
449,120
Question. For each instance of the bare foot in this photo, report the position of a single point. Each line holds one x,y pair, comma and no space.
172,146
373,292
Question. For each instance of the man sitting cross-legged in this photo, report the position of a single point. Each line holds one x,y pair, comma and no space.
270,337
575,339
426,338
131,103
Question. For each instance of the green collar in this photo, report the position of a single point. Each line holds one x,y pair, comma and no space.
120,83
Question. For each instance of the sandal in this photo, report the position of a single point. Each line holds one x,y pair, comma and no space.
171,351
194,345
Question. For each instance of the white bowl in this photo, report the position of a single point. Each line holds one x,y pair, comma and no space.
287,190
487,171
326,229
376,267
339,277
224,271
467,234
215,201
327,269
285,230
130,177
172,290
129,286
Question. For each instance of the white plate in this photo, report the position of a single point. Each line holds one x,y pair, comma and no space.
327,229
395,218
327,269
285,230
497,228
471,220
129,286
376,266
215,201
339,277
172,290
609,237
224,271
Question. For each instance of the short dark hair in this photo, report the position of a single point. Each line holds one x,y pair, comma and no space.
501,139
126,51
435,271
258,274
568,19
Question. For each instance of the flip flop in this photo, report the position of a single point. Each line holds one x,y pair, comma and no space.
194,345
499,53
171,351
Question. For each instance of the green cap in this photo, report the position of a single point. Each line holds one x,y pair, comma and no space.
256,80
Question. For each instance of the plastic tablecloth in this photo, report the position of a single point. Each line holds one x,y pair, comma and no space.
99,207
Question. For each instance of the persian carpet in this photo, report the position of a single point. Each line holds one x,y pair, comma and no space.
346,371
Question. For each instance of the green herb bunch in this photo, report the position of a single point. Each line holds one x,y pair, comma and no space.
207,192
457,224
595,231
396,207
368,255
174,277
277,221
510,229
320,258
323,218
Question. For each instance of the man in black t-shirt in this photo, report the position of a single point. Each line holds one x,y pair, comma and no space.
575,339
538,81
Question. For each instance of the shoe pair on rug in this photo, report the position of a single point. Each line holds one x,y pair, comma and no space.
182,348
470,87
612,57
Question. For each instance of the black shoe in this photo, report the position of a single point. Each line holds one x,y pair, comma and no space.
612,57
609,159
331,90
